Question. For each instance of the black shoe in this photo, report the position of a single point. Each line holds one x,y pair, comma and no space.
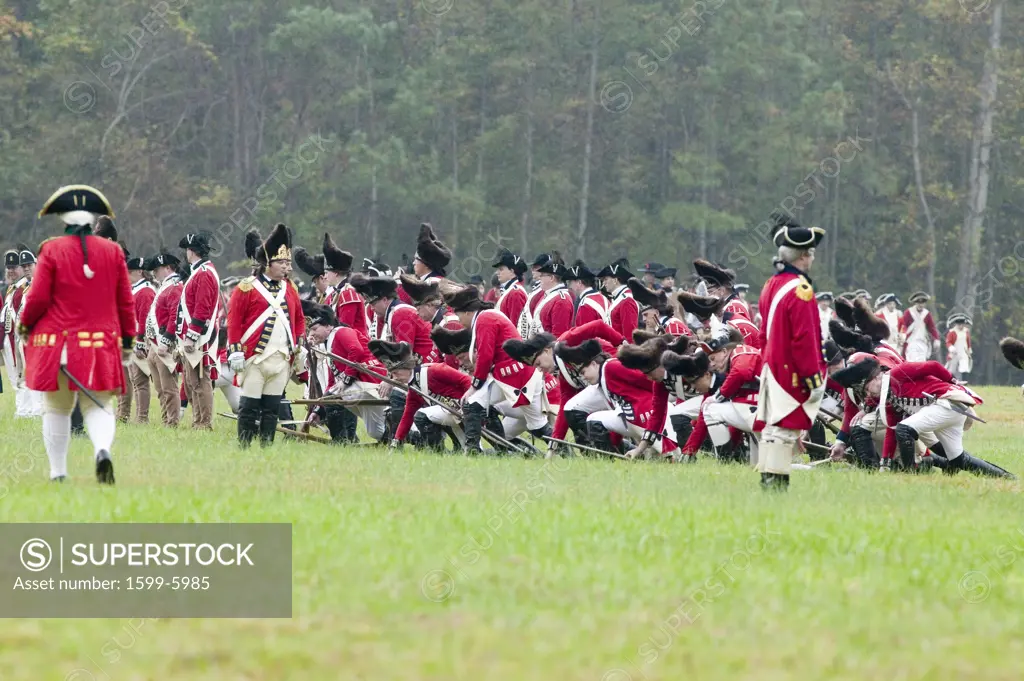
59,478
104,468
473,416
270,409
966,462
774,482
600,437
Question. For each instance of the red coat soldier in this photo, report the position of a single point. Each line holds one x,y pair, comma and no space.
78,323
431,258
721,283
589,303
428,300
656,310
554,312
623,310
199,324
792,380
511,295
161,322
143,295
917,326
396,321
265,324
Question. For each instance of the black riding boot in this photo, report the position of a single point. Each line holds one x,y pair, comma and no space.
966,462
817,436
864,448
248,414
600,437
577,421
350,423
334,417
683,427
284,412
269,409
431,435
396,407
77,422
906,439
473,417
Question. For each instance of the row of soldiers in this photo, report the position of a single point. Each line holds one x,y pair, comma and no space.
631,370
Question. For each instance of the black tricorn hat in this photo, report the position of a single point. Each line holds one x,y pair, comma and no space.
700,306
393,355
510,260
868,322
1013,351
686,367
554,266
787,232
724,337
715,275
77,197
665,272
646,357
163,259
833,353
466,299
451,342
527,351
421,292
647,298
844,310
374,288
580,272
618,269
375,269
25,255
313,265
578,355
138,263
198,242
318,314
105,228
541,259
848,339
857,373
920,297
335,259
432,252
278,245
11,259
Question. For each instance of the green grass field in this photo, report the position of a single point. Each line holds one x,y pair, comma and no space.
414,566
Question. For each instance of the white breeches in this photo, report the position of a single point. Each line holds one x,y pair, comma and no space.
373,417
946,425
614,422
490,395
588,400
443,417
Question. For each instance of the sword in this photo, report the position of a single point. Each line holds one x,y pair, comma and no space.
585,448
957,408
81,388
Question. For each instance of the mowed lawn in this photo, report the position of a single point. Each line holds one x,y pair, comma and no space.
413,566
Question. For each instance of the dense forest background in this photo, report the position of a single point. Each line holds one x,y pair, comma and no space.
654,130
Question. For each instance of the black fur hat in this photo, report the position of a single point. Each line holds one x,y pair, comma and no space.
849,339
844,310
432,252
641,336
872,325
714,275
313,265
335,259
686,367
648,298
393,355
421,292
451,342
578,355
646,357
857,373
318,314
374,288
700,306
466,299
278,245
1013,351
527,351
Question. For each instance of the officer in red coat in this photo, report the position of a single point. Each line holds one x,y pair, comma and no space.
793,376
143,295
265,324
511,294
440,381
656,310
513,388
198,324
623,310
78,325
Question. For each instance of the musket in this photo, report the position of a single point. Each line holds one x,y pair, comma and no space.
491,437
812,445
585,448
286,431
830,414
828,424
959,410
339,402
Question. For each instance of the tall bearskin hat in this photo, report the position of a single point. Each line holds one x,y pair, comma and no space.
787,232
527,351
318,314
510,260
849,339
715,275
580,272
555,266
579,355
466,299
451,342
648,298
278,245
700,306
374,288
844,310
393,355
920,297
1013,351
859,369
432,252
686,367
336,259
421,292
868,322
313,265
646,357
618,269
78,205
199,242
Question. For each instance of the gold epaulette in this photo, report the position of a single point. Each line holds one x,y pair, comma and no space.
246,284
804,291
44,242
